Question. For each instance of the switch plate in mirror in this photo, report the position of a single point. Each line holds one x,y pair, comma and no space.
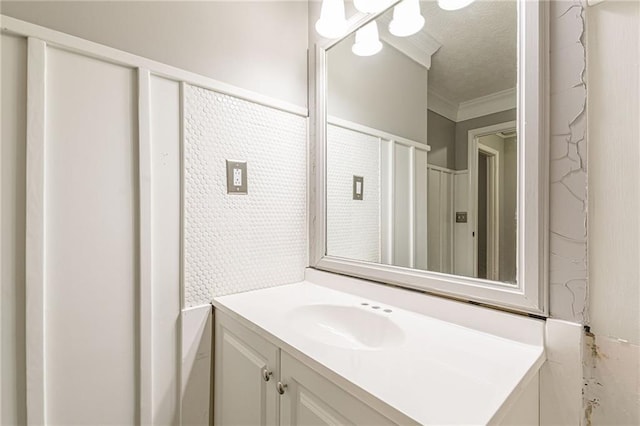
358,187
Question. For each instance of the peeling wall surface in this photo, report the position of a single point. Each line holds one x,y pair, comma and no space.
611,382
568,164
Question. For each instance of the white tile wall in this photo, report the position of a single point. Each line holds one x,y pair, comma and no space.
236,243
353,226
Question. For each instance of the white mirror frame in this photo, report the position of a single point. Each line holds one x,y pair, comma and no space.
530,294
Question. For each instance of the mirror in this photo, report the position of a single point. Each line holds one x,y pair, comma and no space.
412,148
422,143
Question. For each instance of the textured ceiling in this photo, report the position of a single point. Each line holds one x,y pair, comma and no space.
478,53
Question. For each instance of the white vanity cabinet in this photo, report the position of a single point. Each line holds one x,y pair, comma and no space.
245,373
250,373
311,399
317,356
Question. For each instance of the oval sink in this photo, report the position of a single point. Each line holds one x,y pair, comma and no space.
346,326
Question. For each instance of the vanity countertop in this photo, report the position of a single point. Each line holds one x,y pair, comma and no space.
435,373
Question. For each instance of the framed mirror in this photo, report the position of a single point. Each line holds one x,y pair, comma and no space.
430,151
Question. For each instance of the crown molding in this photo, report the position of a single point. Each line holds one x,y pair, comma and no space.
474,108
441,105
489,104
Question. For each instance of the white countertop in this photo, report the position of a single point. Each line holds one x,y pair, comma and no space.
441,373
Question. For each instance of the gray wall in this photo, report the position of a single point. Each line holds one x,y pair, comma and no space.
256,45
441,136
387,91
463,127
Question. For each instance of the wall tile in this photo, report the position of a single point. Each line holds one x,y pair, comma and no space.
236,243
353,227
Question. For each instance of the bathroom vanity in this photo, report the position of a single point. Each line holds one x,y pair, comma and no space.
307,353
338,350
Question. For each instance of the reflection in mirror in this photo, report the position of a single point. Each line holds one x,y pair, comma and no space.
421,146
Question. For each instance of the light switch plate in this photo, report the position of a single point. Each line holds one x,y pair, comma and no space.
236,177
358,187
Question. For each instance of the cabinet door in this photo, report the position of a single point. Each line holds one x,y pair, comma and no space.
310,399
242,396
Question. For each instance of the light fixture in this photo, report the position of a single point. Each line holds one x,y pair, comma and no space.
367,41
454,4
407,19
371,6
332,23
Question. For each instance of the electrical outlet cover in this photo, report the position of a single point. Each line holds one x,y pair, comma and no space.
236,177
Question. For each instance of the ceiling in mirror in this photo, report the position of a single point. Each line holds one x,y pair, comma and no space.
421,141
477,56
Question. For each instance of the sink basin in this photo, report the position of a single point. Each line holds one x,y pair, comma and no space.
351,327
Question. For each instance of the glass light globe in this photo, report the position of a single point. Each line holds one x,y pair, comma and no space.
332,22
407,19
367,41
454,4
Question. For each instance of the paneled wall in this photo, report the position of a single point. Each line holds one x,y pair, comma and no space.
102,328
13,154
440,218
102,242
264,46
390,224
91,237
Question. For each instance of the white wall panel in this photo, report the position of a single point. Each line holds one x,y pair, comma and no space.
90,243
197,334
561,376
165,248
403,215
420,209
446,216
435,221
12,237
387,163
353,226
440,217
236,242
